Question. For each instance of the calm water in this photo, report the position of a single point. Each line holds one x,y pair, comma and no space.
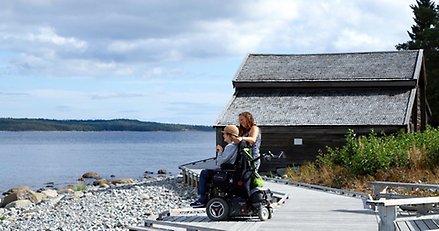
35,158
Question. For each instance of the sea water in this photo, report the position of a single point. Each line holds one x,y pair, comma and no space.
37,158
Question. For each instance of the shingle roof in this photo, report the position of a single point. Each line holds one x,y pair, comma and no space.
293,107
397,65
373,88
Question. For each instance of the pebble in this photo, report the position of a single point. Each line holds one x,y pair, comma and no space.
112,208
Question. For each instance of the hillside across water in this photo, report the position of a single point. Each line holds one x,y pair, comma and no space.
11,124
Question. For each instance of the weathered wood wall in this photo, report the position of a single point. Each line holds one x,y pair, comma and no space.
315,138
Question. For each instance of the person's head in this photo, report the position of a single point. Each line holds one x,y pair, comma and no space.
246,122
230,133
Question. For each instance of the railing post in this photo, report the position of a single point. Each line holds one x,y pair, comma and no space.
387,217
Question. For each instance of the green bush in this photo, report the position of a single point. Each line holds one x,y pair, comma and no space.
366,155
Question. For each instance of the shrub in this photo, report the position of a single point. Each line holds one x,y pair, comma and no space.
399,157
366,155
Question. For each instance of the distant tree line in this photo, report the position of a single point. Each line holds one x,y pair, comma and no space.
11,124
424,35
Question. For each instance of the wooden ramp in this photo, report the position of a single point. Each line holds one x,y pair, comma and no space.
306,209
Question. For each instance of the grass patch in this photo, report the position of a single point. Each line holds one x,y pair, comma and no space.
80,188
402,157
2,218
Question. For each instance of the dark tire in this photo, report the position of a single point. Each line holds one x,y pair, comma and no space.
217,209
270,213
263,213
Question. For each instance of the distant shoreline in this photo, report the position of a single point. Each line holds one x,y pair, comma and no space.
26,124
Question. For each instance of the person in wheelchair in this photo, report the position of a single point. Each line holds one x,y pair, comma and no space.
225,156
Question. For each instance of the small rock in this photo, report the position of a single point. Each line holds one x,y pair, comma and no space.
101,182
40,197
50,184
50,193
88,194
66,189
161,171
78,194
145,196
92,175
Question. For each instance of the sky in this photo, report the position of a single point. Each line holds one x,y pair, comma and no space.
170,61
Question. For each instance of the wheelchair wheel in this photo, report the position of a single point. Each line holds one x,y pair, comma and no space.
270,212
264,214
217,209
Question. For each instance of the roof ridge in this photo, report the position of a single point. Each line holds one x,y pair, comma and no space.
335,53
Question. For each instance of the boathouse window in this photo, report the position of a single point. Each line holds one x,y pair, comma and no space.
298,141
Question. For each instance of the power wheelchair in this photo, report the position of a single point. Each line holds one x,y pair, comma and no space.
231,191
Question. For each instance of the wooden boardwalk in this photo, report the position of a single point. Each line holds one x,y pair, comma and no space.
306,209
309,207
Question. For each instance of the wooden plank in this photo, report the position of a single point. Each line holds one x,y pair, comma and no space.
431,224
412,226
413,217
405,201
180,219
407,185
191,218
421,225
200,219
179,225
401,226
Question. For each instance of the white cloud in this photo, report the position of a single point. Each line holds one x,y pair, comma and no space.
48,35
349,40
274,10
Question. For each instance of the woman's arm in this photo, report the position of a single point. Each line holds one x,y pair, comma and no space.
252,135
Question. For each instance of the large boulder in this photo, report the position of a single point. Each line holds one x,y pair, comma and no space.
19,204
123,181
162,171
21,193
91,175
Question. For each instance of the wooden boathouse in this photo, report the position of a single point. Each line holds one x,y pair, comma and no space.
303,103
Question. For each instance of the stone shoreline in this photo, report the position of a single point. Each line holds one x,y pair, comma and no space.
112,208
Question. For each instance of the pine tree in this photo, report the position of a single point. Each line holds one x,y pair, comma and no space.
425,35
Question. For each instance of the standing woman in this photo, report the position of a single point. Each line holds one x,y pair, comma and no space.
249,132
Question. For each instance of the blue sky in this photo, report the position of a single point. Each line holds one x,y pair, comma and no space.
167,60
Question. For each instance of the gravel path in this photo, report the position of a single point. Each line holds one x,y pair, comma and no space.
113,208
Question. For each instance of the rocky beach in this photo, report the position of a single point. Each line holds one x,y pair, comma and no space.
105,205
